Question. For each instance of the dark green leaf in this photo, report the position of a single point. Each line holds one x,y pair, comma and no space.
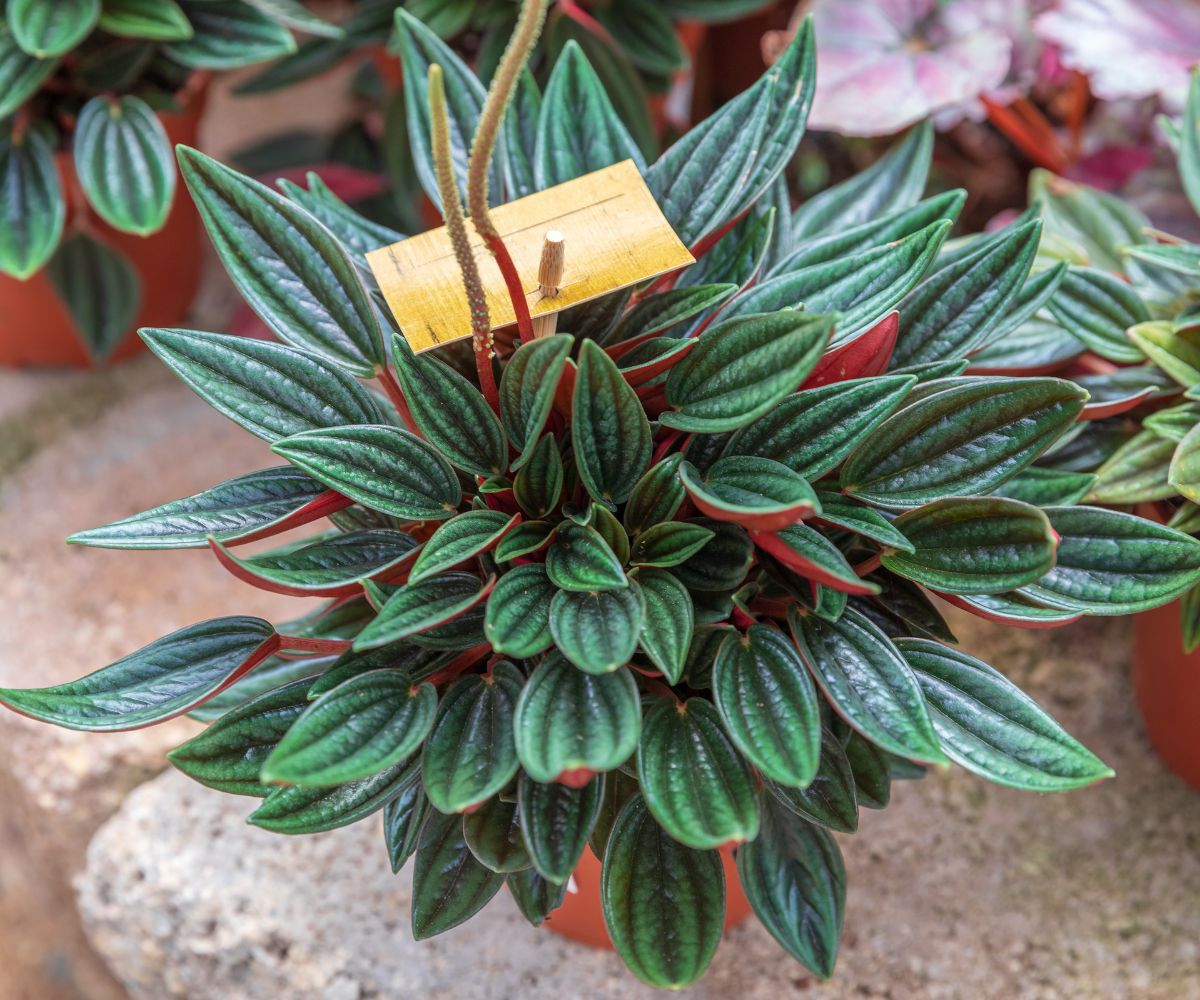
1097,309
271,390
463,537
567,720
124,164
450,412
159,681
535,896
403,818
669,543
656,497
517,622
812,431
383,468
609,428
527,390
769,705
795,880
580,560
968,438
100,288
723,165
493,834
288,267
334,563
1110,563
470,754
806,551
954,311
974,545
156,20
229,754
696,784
556,821
359,728
227,34
314,810
578,130
864,676
20,73
723,562
539,482
866,521
872,773
51,29
894,181
757,493
355,232
598,631
989,726
741,368
668,623
419,607
829,800
664,903
658,313
449,884
1047,487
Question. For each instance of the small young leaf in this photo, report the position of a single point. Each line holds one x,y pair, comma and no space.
769,705
723,562
160,681
598,631
664,903
669,544
383,468
556,821
359,728
539,482
527,390
741,368
567,720
657,496
681,740
668,624
840,512
403,818
536,897
989,726
517,622
449,884
974,545
609,428
867,680
418,607
809,553
469,754
580,560
463,537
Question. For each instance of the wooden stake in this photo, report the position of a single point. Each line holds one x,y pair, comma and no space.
550,275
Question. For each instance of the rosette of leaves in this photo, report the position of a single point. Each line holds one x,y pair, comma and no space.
1125,324
666,592
82,82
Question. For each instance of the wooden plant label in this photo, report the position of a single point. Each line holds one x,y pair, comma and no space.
614,235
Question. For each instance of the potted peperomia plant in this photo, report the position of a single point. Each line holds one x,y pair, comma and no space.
1126,317
656,586
92,95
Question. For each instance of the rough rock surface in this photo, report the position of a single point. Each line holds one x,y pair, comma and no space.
959,890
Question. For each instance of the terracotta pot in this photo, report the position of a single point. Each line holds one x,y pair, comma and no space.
35,327
581,919
1166,683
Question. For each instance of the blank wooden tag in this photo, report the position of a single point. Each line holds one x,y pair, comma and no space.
614,232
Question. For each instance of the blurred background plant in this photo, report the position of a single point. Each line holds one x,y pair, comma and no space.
92,95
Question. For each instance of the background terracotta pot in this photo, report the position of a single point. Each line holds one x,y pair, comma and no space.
1166,682
36,328
581,918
